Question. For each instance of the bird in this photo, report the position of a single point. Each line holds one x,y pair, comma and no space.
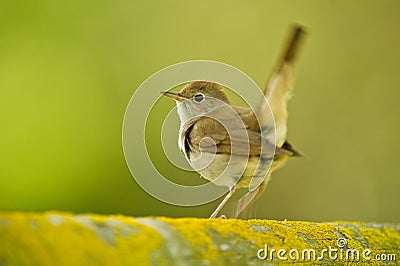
234,146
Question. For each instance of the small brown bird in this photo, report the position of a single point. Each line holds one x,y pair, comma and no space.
233,146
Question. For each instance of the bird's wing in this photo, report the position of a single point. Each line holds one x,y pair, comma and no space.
208,135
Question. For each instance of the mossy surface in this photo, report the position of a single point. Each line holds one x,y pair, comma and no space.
55,238
236,241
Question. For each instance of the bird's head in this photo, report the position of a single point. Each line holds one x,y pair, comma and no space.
198,98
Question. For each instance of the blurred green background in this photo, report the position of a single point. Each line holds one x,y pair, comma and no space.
69,68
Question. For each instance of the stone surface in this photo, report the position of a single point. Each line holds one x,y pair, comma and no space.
55,238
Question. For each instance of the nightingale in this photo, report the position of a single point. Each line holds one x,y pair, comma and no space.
233,146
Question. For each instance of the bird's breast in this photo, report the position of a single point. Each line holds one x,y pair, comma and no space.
226,170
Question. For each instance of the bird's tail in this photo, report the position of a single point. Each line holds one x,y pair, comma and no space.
277,94
279,86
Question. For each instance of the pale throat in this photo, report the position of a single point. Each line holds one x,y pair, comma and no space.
187,112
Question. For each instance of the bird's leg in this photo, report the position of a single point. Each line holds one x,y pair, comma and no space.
223,202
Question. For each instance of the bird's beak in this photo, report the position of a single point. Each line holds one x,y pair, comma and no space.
174,95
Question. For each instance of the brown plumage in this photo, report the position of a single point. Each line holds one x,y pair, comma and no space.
209,125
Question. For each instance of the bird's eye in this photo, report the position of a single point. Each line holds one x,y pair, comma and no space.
198,98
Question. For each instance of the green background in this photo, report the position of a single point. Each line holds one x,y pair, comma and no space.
68,70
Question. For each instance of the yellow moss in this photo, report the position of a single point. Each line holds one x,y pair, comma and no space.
376,237
393,235
277,234
195,231
63,239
